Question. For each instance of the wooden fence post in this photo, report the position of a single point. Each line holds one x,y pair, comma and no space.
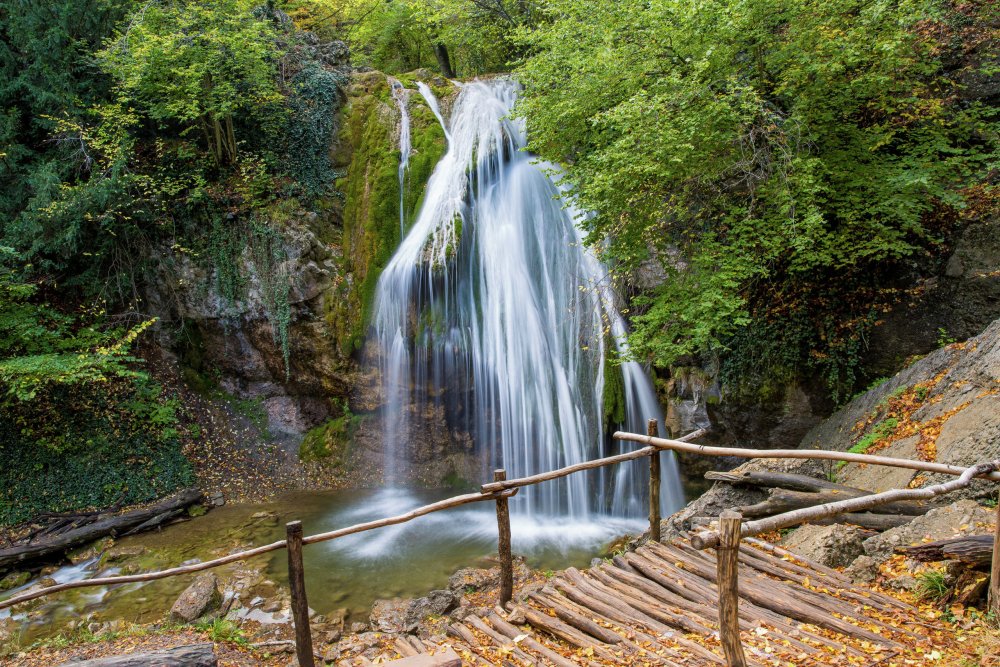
654,485
727,561
994,597
503,544
300,606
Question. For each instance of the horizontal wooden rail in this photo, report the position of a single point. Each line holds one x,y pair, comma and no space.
680,446
710,538
493,487
447,503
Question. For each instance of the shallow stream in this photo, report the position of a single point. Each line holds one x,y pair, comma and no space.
406,560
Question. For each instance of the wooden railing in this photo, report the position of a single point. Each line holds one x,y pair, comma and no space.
727,538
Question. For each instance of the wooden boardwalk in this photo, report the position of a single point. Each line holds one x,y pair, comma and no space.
657,606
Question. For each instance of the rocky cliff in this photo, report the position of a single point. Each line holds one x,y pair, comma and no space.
279,319
944,407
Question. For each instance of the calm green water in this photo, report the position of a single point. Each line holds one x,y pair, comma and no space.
352,572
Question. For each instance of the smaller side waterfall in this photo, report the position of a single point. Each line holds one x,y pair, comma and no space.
432,102
402,97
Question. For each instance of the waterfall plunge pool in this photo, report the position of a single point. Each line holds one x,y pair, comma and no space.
405,560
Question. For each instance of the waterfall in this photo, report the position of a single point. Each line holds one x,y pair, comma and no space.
402,97
428,95
493,311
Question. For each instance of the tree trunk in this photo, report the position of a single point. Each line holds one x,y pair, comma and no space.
195,655
974,550
115,525
444,61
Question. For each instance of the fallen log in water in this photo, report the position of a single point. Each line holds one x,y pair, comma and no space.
972,549
115,525
195,655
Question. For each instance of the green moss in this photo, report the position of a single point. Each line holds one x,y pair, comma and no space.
329,441
371,197
456,482
614,394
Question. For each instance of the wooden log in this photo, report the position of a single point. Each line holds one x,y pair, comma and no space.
993,598
503,544
806,484
679,445
628,611
579,467
654,485
783,500
448,503
565,612
194,655
529,642
446,658
777,597
502,641
710,539
563,631
300,606
631,639
781,480
867,520
972,549
652,580
114,525
782,553
727,556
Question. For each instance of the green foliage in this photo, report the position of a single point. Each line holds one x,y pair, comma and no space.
41,347
880,431
222,630
328,442
311,127
76,448
931,585
79,426
758,149
401,35
198,65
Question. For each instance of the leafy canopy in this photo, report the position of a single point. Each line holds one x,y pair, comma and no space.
739,143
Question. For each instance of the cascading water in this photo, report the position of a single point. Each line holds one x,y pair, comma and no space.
492,311
402,97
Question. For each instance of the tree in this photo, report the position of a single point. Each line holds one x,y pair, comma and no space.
757,149
198,65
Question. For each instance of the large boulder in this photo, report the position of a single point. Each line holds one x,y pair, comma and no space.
833,546
399,615
199,599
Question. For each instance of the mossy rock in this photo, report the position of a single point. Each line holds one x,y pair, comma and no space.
329,442
368,151
14,579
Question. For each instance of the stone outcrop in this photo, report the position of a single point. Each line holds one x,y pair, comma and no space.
947,406
400,615
329,256
833,546
964,517
199,599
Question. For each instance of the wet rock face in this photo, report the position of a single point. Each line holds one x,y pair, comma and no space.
956,305
200,598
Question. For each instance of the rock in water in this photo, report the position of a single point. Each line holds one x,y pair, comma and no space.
200,598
